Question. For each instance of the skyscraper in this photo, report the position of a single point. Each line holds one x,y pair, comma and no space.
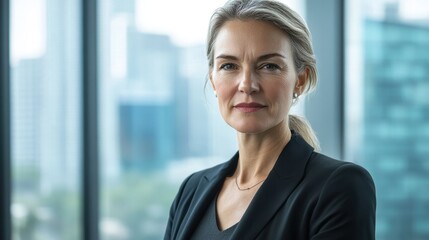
146,102
396,127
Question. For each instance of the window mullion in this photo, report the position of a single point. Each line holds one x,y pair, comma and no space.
5,152
90,213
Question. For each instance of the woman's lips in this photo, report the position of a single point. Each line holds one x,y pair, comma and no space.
249,107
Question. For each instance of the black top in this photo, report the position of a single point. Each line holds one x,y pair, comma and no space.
208,228
306,196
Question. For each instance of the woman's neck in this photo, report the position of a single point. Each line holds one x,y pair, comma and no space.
259,152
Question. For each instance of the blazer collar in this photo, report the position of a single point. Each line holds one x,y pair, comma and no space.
282,180
286,174
205,192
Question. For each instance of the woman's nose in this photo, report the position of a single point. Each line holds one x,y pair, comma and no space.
248,83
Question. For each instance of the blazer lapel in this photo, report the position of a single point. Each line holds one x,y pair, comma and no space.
282,180
206,190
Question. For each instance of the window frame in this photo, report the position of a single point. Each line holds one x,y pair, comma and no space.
5,125
90,155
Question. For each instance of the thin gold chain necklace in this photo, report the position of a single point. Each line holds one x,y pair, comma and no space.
246,189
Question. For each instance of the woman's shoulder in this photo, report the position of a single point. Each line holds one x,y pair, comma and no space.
326,163
343,197
324,168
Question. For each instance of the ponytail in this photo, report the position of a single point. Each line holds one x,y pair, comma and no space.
301,126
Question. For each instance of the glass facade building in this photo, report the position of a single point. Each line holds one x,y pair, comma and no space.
396,127
388,111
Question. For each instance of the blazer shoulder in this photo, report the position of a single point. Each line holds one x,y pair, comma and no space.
325,170
346,200
326,165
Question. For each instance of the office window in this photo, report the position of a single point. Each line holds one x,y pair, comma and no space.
46,113
158,123
387,109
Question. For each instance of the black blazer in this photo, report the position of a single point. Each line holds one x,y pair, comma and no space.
306,196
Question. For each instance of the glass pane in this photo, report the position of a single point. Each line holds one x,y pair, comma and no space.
158,123
46,113
388,109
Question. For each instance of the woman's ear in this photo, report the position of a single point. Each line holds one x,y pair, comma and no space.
211,81
301,81
210,76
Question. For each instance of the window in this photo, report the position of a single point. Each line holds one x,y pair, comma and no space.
387,109
46,113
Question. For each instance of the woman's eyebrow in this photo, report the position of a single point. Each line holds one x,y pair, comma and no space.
225,56
260,58
270,55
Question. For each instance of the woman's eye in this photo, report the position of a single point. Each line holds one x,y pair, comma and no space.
270,66
227,66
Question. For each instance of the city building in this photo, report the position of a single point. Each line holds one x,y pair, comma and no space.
395,144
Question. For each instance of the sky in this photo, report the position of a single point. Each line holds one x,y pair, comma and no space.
28,21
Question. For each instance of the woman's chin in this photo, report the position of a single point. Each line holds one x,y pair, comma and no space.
252,129
257,127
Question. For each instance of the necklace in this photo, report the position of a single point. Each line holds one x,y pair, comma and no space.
245,189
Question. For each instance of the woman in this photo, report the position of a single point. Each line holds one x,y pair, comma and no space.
276,186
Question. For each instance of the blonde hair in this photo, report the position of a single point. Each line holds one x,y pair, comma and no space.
301,126
292,24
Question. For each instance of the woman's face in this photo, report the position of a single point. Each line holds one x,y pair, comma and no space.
254,75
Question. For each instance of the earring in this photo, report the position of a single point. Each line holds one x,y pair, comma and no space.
215,93
295,95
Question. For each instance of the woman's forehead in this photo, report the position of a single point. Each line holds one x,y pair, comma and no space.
239,37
